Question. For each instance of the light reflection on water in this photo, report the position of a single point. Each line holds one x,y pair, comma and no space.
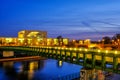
36,70
50,69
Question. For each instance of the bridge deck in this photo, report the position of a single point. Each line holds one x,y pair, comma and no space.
81,56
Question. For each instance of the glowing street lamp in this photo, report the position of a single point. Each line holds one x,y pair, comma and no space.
115,52
98,50
106,51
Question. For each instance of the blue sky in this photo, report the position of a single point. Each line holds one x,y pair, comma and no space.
75,19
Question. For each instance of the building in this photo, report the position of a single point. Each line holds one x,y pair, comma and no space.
8,41
32,34
32,38
55,42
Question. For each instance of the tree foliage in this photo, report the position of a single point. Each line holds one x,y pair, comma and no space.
116,39
116,36
107,40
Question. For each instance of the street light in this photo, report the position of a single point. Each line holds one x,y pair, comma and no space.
115,52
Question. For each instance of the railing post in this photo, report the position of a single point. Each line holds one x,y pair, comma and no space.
71,56
77,57
54,53
60,54
93,59
115,63
103,61
39,51
65,54
48,53
43,49
84,58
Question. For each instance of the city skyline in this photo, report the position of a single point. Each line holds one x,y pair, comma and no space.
75,19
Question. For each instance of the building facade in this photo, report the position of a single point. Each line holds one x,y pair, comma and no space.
32,38
32,34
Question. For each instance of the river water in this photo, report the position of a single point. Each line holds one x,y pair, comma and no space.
36,70
50,69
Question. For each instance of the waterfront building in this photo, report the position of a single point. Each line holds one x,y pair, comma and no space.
55,42
50,41
32,34
8,41
32,38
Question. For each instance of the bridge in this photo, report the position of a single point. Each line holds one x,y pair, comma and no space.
90,58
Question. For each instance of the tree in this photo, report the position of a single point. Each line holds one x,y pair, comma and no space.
107,40
116,39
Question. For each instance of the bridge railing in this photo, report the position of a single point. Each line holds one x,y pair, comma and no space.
82,56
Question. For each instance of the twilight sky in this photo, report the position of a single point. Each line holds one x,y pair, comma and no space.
75,19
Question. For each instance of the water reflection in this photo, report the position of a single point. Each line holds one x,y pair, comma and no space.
9,70
50,69
59,63
94,74
36,70
20,70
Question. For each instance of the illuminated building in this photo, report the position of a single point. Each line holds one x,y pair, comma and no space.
49,42
55,41
65,41
87,41
80,41
32,34
32,38
8,41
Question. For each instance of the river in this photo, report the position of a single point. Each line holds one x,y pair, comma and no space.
50,69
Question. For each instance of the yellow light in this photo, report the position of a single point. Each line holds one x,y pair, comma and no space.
86,50
98,50
118,40
21,39
115,52
106,51
103,40
9,39
70,48
112,40
32,34
98,40
66,48
75,49
74,40
37,43
58,47
80,49
31,66
60,63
